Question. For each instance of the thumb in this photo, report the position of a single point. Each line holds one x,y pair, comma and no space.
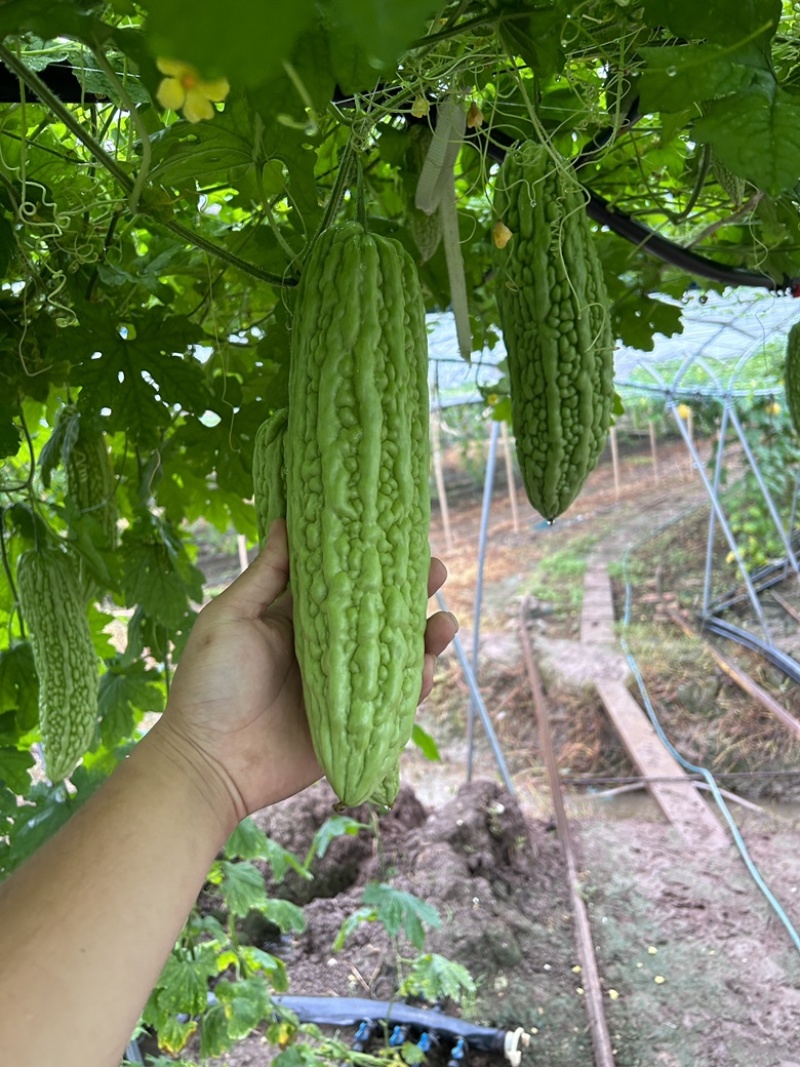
263,581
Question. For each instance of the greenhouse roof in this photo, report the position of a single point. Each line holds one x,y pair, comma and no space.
727,348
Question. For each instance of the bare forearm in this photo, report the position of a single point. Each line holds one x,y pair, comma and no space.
87,923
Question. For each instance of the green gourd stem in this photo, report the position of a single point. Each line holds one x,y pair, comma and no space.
361,199
340,186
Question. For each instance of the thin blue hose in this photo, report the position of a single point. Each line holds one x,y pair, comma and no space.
753,871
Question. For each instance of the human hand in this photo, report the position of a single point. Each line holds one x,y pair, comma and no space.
236,709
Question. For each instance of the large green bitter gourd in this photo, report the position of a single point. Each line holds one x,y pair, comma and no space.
358,504
52,604
554,312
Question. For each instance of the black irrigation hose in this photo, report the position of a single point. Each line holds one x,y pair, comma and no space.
352,1011
778,658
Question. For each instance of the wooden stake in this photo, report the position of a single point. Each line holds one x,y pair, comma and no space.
436,455
615,460
512,486
653,450
590,976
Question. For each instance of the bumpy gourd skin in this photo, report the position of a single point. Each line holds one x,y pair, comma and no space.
792,375
52,604
358,504
90,482
554,312
269,475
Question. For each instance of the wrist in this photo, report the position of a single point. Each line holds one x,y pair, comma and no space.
178,757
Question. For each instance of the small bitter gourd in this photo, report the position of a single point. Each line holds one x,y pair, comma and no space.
554,312
52,604
791,375
269,475
90,481
358,504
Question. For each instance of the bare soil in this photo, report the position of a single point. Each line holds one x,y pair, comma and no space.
695,967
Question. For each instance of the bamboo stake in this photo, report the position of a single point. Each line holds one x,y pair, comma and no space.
653,450
438,473
512,486
615,460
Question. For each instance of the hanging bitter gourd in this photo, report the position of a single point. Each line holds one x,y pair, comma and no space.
269,476
52,604
554,312
358,504
90,481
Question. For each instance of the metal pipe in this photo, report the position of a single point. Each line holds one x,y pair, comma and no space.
723,427
484,714
488,483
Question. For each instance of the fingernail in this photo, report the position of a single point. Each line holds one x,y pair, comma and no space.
455,620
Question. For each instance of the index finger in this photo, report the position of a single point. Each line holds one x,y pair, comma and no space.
436,575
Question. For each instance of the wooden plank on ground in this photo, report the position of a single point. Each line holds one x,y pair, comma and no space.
679,800
597,615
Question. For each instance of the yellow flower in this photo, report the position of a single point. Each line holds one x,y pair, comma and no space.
773,408
684,411
184,89
501,234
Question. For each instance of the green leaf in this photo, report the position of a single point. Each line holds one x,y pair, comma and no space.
535,36
214,1036
678,77
241,886
756,134
259,962
50,18
425,743
126,693
246,1003
248,46
434,978
333,827
157,574
183,984
284,914
247,842
14,768
360,915
19,685
10,436
192,154
174,1033
715,20
398,910
377,31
